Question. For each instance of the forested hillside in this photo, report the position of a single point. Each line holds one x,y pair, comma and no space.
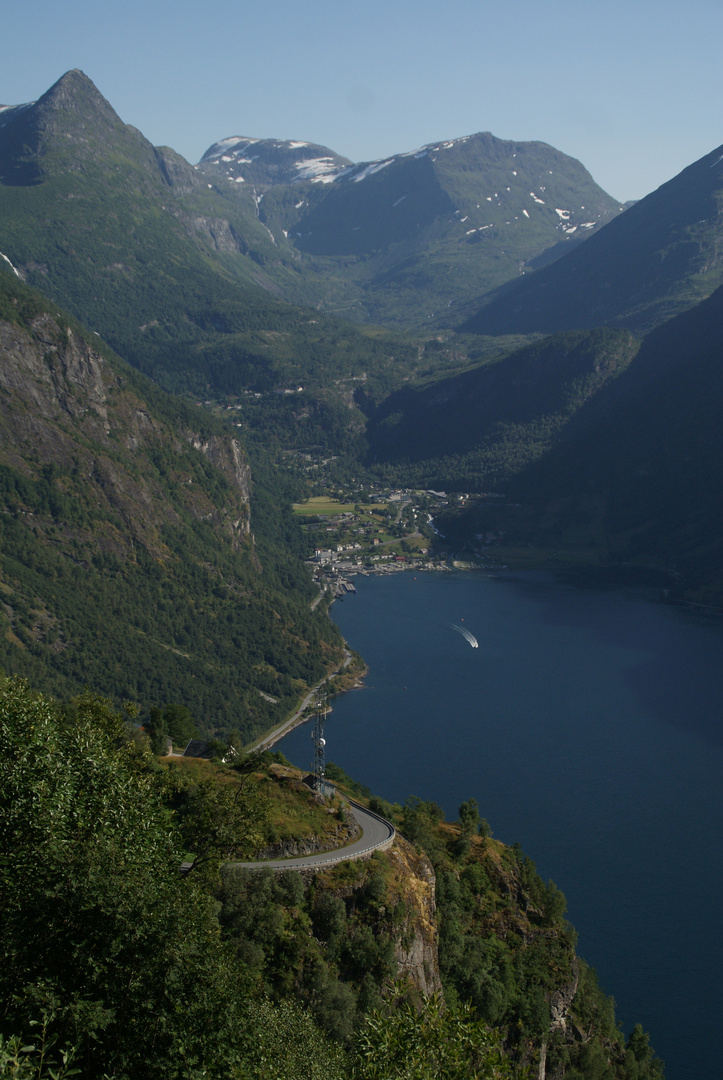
636,480
478,430
116,964
141,554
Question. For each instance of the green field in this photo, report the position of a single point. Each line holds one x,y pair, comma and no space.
321,506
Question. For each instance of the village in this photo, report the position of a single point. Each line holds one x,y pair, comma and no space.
373,532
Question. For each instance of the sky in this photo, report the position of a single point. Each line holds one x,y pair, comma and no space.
631,88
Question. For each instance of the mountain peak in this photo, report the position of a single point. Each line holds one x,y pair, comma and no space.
266,162
76,95
69,82
67,128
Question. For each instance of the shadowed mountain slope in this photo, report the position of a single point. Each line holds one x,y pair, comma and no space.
477,430
639,474
659,258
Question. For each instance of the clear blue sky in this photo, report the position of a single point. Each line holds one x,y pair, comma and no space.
632,88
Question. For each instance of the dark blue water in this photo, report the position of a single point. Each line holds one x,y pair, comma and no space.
589,727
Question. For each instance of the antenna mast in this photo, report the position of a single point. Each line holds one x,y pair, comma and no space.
321,708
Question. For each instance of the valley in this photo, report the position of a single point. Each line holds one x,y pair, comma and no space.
226,389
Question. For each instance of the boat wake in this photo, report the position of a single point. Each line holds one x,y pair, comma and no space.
466,635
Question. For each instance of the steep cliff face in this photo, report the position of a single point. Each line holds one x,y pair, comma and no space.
227,455
64,407
415,947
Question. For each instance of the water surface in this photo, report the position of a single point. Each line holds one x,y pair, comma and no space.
588,725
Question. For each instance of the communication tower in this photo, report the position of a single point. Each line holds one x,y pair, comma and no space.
321,708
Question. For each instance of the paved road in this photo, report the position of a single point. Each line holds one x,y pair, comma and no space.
273,737
268,740
377,834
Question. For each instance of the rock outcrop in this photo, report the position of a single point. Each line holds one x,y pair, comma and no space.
416,945
64,407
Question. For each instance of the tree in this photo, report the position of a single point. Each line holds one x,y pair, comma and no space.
640,1060
172,721
437,1043
99,934
468,825
469,817
217,822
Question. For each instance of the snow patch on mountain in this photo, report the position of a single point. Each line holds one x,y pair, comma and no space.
235,142
319,170
9,112
370,170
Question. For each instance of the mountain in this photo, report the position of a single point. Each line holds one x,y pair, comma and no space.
139,554
660,257
420,231
478,430
167,260
168,264
635,478
135,243
266,162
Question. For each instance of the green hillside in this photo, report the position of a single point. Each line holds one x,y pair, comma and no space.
141,553
636,479
478,430
116,964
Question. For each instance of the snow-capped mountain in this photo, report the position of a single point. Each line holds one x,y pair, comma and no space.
433,226
264,162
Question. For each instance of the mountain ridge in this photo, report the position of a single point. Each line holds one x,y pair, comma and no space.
470,212
663,255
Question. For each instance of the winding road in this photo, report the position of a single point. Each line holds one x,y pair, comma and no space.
377,835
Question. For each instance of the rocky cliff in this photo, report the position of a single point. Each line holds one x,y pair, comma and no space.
64,407
416,946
